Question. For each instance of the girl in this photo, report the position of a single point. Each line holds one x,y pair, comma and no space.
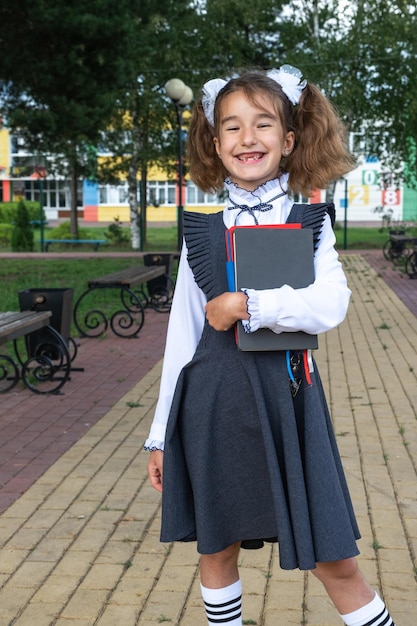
240,459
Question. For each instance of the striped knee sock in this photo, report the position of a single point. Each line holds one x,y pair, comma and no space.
374,613
223,606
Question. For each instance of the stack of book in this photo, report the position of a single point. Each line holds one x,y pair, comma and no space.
267,257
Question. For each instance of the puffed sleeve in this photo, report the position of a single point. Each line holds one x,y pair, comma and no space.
313,309
185,326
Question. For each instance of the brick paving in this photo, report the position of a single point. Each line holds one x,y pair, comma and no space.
38,429
79,531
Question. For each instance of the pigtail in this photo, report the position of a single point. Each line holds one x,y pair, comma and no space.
320,155
206,169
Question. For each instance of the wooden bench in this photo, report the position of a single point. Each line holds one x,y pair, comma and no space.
403,239
399,248
40,372
127,321
14,325
77,242
129,277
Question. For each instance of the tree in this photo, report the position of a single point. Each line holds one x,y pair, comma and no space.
137,139
138,135
236,34
362,54
364,57
22,234
62,66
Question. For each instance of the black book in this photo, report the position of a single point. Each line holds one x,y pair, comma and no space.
267,257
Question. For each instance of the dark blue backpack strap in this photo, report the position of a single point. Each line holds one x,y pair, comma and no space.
312,216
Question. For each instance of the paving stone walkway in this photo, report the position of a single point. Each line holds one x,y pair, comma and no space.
80,541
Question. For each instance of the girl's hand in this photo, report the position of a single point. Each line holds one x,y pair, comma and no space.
155,469
222,312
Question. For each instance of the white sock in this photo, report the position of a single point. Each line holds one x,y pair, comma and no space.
223,606
374,613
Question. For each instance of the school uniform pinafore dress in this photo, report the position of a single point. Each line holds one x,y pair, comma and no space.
243,460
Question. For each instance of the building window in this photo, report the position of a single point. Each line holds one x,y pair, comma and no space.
160,192
56,194
102,194
123,194
196,196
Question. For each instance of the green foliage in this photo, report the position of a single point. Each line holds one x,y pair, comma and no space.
82,56
161,239
80,87
19,274
354,55
8,211
116,234
22,234
75,74
360,238
239,34
5,234
63,231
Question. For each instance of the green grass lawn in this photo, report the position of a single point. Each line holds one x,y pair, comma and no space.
161,239
41,275
360,238
165,239
22,273
19,274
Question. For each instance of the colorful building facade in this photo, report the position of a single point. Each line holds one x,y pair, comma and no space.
365,195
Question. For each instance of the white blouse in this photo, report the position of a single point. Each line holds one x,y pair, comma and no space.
313,309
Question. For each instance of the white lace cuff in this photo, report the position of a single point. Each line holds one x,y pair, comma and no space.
254,321
152,444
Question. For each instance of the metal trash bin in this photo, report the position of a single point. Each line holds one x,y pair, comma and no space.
56,300
161,282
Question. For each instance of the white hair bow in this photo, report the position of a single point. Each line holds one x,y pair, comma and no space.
288,77
210,92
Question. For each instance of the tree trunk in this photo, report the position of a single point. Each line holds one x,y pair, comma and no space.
132,183
73,198
143,197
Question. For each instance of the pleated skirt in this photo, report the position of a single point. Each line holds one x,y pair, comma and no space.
246,462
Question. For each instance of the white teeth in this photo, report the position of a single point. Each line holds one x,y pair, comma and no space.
255,157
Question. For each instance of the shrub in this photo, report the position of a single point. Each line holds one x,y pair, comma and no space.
8,211
115,233
22,233
63,231
5,234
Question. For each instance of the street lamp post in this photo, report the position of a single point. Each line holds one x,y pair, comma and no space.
181,95
42,174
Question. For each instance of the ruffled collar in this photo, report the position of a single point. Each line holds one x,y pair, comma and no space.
265,204
263,193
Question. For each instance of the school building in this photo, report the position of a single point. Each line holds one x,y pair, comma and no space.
365,195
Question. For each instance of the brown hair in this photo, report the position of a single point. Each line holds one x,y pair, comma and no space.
320,153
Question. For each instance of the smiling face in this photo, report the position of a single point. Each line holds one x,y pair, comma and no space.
251,140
